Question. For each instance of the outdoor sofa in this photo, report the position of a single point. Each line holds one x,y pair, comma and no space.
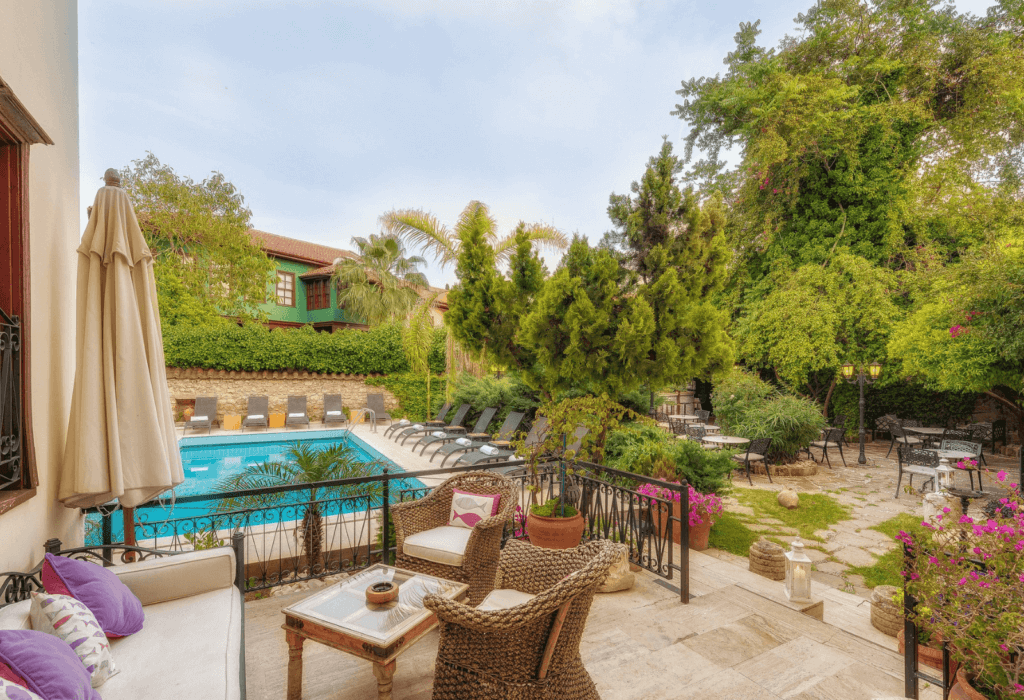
192,641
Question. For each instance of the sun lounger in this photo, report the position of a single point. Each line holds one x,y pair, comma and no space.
334,412
375,402
405,423
257,413
478,440
297,414
455,426
451,436
495,451
205,414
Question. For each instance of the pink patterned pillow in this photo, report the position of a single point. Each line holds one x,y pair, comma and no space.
468,509
15,691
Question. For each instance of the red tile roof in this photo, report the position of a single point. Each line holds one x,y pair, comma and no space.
303,251
325,271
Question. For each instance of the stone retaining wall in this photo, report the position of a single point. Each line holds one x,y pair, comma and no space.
233,390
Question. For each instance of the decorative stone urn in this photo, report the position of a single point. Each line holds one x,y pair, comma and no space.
886,615
768,559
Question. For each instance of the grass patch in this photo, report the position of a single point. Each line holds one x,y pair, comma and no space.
886,570
817,511
730,534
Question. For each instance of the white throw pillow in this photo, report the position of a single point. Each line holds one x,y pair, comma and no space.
13,691
72,622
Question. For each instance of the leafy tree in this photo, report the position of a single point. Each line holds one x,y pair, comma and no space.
198,232
304,464
381,285
423,230
179,308
819,317
679,252
418,340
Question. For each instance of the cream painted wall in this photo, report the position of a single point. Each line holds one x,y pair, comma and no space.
39,60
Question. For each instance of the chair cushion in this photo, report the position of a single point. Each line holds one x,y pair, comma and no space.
754,457
198,418
470,508
116,608
824,443
255,416
334,413
15,616
504,598
441,545
296,415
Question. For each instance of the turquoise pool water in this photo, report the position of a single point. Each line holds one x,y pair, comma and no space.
208,460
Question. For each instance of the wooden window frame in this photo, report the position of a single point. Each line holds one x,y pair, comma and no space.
18,132
318,294
277,288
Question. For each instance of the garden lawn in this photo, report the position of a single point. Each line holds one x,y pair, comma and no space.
817,511
731,535
886,569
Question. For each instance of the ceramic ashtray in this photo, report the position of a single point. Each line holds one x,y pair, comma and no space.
381,592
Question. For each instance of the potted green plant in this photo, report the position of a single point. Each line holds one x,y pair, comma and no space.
968,581
555,525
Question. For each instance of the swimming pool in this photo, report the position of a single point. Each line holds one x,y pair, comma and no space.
208,460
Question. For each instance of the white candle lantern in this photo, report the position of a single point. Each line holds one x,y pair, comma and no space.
798,574
943,476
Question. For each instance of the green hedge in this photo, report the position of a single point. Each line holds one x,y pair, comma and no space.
650,451
905,399
254,348
411,391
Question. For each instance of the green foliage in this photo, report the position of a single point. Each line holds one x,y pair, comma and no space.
817,511
507,394
411,391
551,509
382,284
730,534
198,234
253,347
179,308
751,408
599,414
906,399
650,451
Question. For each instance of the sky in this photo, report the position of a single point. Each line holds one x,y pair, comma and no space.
327,114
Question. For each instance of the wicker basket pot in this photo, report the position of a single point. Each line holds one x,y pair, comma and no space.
886,616
555,533
768,559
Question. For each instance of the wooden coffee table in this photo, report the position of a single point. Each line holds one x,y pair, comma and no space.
340,617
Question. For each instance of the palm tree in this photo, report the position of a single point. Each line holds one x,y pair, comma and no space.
304,464
382,284
420,229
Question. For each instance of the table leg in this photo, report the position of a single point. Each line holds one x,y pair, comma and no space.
294,665
384,674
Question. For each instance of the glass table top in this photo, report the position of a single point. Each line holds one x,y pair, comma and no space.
343,606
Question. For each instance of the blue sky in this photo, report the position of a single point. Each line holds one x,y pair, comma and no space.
327,114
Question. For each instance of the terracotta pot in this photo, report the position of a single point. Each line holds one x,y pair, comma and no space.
929,656
555,533
698,534
963,690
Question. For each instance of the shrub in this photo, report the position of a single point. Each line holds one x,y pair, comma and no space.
254,347
411,391
507,394
749,407
906,400
649,451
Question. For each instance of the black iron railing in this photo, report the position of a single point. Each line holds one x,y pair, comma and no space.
309,531
11,422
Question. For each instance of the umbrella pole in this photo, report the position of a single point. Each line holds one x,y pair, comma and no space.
129,532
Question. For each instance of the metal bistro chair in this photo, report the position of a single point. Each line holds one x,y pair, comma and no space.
966,446
833,438
697,433
703,415
757,451
900,437
989,434
885,424
678,427
257,413
914,460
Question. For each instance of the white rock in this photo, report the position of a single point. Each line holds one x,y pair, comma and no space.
619,578
788,498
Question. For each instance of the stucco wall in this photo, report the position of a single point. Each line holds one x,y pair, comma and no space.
233,389
39,60
297,313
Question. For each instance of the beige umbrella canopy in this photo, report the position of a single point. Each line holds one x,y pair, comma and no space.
120,440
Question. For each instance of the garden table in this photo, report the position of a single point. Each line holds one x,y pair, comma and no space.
953,455
684,417
724,440
930,432
710,428
340,617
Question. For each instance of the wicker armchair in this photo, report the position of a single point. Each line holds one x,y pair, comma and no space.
526,644
479,558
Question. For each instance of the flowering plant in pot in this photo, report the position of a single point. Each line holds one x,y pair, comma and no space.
968,581
555,525
703,511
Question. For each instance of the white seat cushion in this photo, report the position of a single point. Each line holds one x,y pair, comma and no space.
503,598
254,416
296,415
441,545
15,616
198,418
188,648
334,413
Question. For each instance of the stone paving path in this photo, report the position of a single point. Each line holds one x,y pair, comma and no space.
868,490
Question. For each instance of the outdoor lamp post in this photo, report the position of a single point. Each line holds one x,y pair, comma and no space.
862,378
798,574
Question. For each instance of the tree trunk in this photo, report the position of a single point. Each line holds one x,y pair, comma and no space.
828,397
1014,408
312,539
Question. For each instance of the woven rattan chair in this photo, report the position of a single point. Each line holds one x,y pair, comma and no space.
479,558
257,413
334,410
205,414
833,437
914,460
967,446
523,642
297,414
757,451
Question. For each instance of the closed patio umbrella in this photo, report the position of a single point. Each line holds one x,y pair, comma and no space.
120,441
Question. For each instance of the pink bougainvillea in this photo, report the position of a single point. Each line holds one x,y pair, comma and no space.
703,507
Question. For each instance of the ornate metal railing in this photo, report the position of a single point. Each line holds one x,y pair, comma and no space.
309,531
10,402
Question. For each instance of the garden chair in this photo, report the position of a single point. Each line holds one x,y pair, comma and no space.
915,460
478,440
454,425
404,423
375,402
297,414
453,433
257,413
833,438
840,422
205,414
884,424
989,433
697,433
757,451
494,452
899,436
427,543
334,411
966,446
523,640
678,427
703,415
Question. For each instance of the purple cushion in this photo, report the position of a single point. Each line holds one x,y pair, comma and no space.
50,667
116,608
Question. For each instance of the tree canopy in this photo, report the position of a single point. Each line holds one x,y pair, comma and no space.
382,284
198,234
